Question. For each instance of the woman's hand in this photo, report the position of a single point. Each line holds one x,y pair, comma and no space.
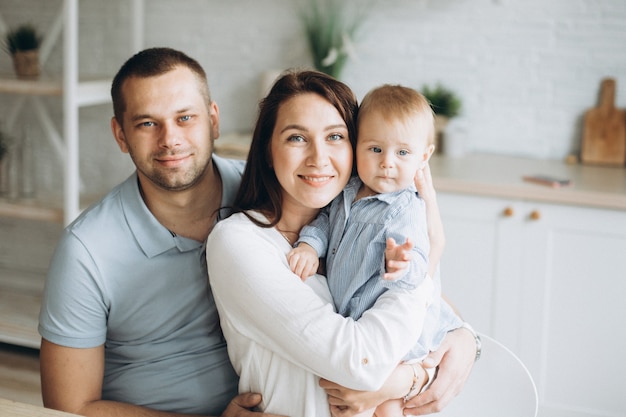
345,402
425,188
455,358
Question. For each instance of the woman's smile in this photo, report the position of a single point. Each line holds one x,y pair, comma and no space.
317,180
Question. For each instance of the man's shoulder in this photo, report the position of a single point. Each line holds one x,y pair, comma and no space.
105,213
231,171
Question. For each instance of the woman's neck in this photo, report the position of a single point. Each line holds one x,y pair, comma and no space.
292,221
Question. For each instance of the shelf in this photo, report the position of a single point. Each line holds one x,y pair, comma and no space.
20,301
90,92
30,210
47,210
74,91
39,87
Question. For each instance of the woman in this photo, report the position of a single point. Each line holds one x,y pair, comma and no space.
282,333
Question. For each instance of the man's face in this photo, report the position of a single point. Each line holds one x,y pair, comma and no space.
168,129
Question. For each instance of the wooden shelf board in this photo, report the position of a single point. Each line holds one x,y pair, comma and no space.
40,209
35,87
90,91
30,210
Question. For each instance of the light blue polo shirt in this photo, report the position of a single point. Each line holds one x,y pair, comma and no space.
119,278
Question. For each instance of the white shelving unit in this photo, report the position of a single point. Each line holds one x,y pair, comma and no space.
20,291
75,94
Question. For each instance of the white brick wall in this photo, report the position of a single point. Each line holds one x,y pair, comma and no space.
525,69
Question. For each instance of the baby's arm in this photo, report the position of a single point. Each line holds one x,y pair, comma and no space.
426,190
303,260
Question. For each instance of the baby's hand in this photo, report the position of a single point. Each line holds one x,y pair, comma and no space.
397,259
303,261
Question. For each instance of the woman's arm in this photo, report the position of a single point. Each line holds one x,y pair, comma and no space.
262,299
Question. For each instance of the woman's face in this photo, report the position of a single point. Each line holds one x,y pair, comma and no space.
311,152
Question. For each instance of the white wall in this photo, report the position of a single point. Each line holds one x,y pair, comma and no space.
525,69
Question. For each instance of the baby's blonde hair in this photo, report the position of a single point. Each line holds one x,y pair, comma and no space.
399,103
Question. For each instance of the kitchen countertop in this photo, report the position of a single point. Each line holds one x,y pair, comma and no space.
501,176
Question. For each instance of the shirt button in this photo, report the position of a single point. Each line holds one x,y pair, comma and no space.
364,361
334,251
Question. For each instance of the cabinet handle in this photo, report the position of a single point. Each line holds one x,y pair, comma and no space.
535,215
508,212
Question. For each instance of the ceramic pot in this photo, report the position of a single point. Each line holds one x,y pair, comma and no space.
26,63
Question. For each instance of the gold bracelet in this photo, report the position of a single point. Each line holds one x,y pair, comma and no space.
413,385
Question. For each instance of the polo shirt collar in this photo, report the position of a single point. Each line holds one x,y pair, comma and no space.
155,239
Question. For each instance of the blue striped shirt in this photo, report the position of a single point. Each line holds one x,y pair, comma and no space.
352,236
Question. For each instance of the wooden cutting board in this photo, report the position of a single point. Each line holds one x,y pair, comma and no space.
604,131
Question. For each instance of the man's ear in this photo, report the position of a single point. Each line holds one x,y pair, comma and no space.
118,134
214,115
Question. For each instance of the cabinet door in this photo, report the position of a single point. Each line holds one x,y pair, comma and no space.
574,309
480,268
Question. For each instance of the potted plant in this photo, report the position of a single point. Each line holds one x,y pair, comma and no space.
22,43
330,31
446,105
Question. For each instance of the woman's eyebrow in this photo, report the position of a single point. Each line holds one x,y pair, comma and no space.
337,126
294,127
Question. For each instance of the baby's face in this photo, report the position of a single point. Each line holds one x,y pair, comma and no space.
389,153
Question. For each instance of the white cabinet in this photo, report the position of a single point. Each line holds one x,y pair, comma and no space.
549,281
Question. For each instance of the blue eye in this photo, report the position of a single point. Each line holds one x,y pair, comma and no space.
296,138
147,124
376,149
185,118
335,137
403,152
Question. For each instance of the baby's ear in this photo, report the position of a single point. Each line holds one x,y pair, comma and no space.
428,152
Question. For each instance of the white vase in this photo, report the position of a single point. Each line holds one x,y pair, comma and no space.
455,139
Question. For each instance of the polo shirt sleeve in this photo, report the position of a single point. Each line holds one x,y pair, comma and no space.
73,311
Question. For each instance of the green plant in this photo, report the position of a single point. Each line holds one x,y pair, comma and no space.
330,31
443,101
22,38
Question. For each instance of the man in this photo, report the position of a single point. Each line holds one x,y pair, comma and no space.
128,323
